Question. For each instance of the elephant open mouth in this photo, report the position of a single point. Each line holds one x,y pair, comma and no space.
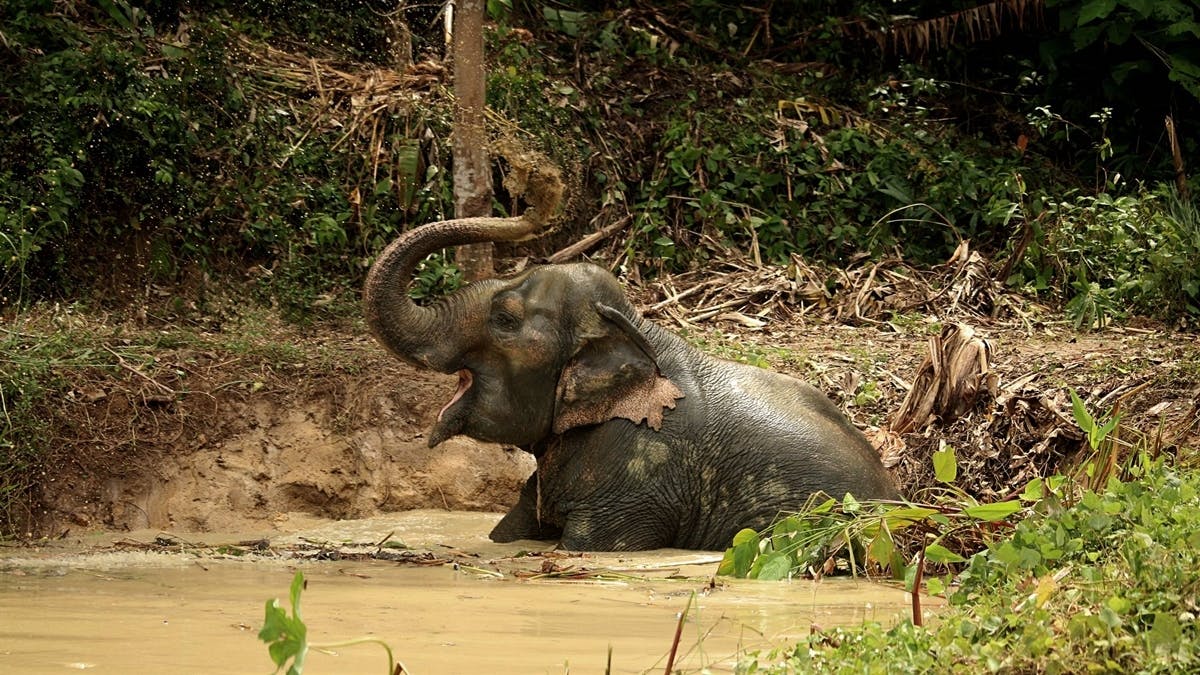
451,421
464,383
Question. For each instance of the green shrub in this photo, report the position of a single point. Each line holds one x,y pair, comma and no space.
1115,254
123,148
1107,583
792,176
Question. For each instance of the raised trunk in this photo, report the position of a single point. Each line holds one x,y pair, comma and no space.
435,336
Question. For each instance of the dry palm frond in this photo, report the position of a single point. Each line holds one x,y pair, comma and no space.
749,293
956,369
976,24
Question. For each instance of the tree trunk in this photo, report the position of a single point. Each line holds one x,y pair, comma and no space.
472,172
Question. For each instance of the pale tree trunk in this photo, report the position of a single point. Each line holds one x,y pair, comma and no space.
472,172
399,37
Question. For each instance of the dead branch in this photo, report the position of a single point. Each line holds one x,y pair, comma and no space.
589,241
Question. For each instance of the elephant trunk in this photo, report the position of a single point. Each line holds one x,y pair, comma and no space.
436,336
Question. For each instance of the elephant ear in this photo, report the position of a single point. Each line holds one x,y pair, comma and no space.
613,375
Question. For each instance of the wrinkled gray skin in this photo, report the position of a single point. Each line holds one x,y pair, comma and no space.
641,440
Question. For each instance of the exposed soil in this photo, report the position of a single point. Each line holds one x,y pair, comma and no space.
238,426
205,440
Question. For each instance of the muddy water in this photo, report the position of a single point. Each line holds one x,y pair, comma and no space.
108,610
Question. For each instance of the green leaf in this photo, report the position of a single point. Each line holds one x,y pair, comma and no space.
1082,417
881,547
286,636
772,566
1033,490
745,535
905,516
934,586
940,554
1096,9
850,504
1108,427
945,466
993,512
1165,635
739,558
116,13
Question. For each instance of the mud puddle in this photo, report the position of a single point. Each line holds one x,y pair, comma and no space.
152,602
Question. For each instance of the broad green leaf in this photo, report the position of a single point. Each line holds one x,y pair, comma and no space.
881,547
784,533
286,636
850,504
934,586
788,525
773,566
993,512
1165,635
1096,9
727,566
1082,417
910,576
1033,490
739,558
945,465
745,535
937,553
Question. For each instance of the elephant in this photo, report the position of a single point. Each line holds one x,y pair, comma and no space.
641,440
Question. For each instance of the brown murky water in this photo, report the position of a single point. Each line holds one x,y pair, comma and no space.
138,612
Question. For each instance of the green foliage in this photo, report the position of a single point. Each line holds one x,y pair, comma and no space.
287,636
871,536
1149,35
788,176
435,276
27,380
1116,254
123,147
1106,584
1085,580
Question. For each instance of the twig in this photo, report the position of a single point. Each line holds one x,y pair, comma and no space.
681,295
916,589
121,362
1177,157
678,634
589,241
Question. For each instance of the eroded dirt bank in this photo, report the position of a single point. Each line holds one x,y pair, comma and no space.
214,436
231,427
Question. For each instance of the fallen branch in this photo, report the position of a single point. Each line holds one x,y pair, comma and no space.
682,294
589,241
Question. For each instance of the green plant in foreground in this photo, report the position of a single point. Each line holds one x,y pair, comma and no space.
1109,584
866,534
287,636
1099,575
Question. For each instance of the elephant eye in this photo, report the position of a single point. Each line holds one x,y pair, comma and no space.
505,321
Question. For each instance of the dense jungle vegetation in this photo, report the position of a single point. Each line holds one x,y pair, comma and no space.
171,155
162,143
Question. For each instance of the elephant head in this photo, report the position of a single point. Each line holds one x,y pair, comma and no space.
551,349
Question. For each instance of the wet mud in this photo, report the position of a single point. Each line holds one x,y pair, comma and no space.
446,600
